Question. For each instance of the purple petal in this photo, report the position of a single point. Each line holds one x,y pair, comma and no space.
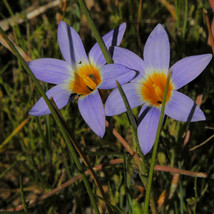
49,70
157,49
182,108
187,69
70,45
127,58
114,104
147,128
60,96
112,38
92,111
112,72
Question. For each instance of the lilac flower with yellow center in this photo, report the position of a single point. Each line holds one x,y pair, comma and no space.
80,74
148,87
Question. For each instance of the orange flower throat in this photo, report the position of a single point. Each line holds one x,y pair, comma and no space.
86,79
152,89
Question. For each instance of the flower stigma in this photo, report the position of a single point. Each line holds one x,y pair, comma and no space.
152,88
86,79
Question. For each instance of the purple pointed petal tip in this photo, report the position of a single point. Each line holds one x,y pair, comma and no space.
157,49
182,108
92,110
188,68
60,97
70,44
147,128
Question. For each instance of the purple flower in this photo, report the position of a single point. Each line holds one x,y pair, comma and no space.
148,87
80,74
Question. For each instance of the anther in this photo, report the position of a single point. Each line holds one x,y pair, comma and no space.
89,88
92,76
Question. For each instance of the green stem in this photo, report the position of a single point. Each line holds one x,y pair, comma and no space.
134,129
154,153
22,195
16,29
48,132
56,117
97,35
143,169
84,157
185,17
177,11
181,196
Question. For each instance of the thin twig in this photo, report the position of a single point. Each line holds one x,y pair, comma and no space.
15,131
170,8
66,184
183,172
198,101
100,167
209,30
20,50
138,24
126,145
201,144
18,19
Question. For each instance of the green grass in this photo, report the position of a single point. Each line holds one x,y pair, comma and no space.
39,153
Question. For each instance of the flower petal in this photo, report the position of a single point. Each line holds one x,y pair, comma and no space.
157,49
92,111
112,72
112,38
114,104
70,45
127,58
182,108
147,128
187,69
49,70
60,97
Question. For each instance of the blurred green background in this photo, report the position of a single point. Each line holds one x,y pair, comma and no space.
33,147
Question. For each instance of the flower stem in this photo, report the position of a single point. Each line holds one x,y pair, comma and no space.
97,35
134,131
143,169
154,152
83,156
56,117
22,195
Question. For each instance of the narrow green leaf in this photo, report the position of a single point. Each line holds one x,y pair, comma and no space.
22,195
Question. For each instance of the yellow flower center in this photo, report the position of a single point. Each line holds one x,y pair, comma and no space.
152,89
86,79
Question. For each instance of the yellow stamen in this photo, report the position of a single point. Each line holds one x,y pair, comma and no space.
89,82
157,90
152,89
86,79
